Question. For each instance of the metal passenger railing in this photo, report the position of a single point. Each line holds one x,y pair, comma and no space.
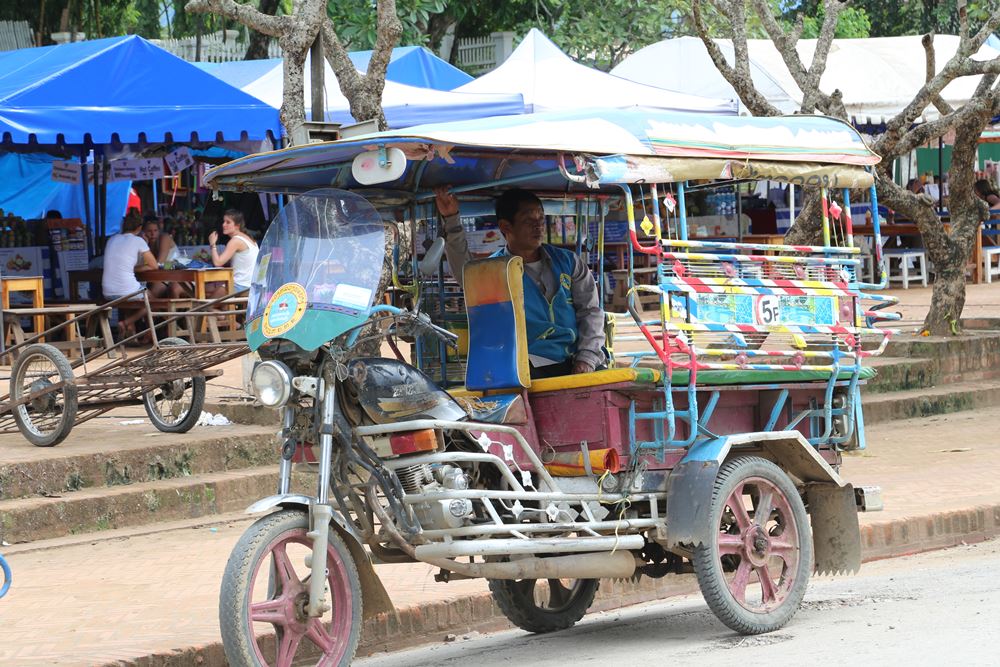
757,309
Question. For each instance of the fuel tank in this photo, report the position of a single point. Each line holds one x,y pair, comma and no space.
391,391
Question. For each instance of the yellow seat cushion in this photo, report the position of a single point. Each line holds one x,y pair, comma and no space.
597,378
578,381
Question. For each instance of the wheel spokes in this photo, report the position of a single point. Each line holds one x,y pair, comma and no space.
762,511
288,644
730,544
273,611
768,590
320,635
739,510
738,586
283,569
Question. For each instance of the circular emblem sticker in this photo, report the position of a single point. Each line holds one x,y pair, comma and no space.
284,310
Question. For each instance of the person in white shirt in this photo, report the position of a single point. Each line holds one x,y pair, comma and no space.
241,249
126,254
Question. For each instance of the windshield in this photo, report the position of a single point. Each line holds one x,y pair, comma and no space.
318,269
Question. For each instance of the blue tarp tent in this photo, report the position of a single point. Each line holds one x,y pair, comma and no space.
121,89
411,65
416,66
27,191
72,99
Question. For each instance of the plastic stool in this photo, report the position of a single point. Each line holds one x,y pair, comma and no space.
988,269
904,256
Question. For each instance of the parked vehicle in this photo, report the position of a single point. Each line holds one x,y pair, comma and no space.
712,443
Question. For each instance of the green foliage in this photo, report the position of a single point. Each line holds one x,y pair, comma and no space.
900,17
852,23
356,21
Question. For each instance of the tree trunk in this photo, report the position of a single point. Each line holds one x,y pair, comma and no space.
808,227
257,50
947,300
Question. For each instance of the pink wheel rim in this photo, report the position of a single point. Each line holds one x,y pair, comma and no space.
285,608
764,539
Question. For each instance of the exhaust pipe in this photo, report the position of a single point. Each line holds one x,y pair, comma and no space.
617,565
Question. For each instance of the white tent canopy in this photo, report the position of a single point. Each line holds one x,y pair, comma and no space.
550,80
403,105
878,76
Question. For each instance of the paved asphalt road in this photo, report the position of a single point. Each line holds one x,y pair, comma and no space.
939,608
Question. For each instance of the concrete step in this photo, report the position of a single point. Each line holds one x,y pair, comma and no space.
975,355
899,374
953,397
139,504
67,469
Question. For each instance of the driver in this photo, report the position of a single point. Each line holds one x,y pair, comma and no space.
563,312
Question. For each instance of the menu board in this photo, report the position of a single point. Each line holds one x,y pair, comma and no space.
68,239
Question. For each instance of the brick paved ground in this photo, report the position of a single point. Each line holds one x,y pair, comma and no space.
122,595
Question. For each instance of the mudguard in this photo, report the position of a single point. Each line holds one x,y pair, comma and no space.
375,598
829,500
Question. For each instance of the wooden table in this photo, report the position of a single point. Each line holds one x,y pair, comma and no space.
911,229
32,284
198,277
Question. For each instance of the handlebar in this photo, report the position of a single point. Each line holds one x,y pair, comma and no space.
420,322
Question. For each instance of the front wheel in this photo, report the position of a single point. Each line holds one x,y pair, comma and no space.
175,406
754,569
44,376
556,606
266,586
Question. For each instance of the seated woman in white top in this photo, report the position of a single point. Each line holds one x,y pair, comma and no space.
241,249
125,254
164,250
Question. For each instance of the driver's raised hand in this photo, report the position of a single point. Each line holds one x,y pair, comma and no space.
447,203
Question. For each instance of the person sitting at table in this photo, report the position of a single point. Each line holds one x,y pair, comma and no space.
164,250
126,254
984,189
241,249
915,186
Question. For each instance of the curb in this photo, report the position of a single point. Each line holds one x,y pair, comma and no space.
430,623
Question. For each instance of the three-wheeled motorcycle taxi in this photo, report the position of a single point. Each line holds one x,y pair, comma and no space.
712,442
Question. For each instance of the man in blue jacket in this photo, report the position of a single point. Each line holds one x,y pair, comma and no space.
563,313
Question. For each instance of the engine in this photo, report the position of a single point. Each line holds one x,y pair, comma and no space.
437,514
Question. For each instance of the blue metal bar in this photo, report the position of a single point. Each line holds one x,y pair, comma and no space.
779,405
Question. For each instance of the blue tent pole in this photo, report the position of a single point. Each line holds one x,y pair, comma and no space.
86,202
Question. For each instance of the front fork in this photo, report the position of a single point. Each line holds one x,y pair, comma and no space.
320,512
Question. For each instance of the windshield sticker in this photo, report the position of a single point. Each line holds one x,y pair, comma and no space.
352,296
262,263
284,310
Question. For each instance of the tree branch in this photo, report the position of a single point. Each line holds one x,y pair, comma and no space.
928,42
274,26
739,76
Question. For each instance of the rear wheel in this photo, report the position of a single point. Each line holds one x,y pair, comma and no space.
266,586
555,605
755,568
175,406
49,414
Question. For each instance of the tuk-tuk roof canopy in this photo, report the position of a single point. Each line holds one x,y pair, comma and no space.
624,145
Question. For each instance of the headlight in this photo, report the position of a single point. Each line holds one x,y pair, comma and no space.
272,383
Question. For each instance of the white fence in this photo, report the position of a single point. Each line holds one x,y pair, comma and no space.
213,48
15,35
476,55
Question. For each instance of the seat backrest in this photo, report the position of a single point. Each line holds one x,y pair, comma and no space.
498,339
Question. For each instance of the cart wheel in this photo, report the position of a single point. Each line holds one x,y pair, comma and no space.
266,587
537,609
48,417
174,407
754,571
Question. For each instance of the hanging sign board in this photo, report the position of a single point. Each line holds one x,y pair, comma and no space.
66,172
179,160
139,169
